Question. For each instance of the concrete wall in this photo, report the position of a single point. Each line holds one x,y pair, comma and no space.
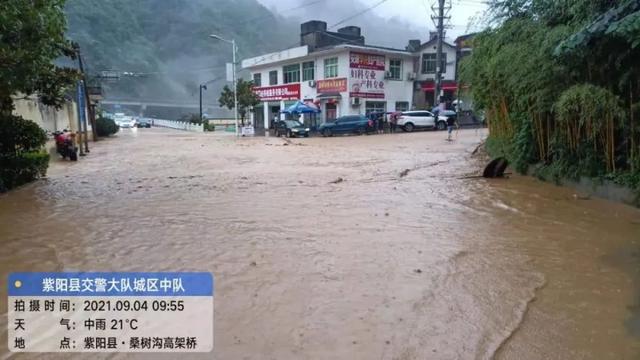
48,117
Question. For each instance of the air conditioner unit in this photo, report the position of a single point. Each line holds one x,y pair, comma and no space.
387,74
355,101
312,83
411,76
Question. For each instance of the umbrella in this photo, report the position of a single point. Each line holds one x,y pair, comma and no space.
301,108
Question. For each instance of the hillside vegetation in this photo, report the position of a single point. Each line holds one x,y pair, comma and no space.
167,41
560,84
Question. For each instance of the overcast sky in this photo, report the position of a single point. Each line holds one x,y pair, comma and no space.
415,12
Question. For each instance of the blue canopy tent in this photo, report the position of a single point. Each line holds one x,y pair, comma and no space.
301,108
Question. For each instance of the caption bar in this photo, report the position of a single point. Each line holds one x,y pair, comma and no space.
110,312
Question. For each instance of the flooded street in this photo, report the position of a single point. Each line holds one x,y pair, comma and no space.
361,247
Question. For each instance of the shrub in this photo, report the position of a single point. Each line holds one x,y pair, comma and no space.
16,170
208,127
19,135
21,156
106,126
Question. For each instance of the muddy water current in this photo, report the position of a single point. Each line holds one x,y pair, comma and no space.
361,247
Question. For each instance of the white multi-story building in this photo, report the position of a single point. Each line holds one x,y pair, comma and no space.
341,75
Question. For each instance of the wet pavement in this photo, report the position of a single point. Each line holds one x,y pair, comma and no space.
357,247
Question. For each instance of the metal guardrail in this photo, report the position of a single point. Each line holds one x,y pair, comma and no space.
178,125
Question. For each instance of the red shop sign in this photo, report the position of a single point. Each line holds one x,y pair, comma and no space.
278,92
359,60
332,85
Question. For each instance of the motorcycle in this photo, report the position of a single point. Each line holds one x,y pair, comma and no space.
65,145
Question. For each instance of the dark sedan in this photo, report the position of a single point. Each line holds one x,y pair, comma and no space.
291,128
143,123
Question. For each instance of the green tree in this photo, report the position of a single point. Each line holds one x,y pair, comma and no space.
559,84
247,98
31,38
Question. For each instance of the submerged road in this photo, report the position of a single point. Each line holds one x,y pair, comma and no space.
360,247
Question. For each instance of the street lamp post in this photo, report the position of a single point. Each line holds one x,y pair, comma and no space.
235,80
202,87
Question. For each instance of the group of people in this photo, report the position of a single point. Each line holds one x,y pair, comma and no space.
380,123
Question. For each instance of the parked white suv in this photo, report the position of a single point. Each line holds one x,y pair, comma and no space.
410,120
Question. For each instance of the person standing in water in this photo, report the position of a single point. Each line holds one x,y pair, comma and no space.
393,122
451,122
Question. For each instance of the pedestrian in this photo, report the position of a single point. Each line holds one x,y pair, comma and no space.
451,122
380,123
393,122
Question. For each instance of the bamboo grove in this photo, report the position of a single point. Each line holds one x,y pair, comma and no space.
559,82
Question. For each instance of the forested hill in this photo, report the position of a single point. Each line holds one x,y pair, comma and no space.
168,40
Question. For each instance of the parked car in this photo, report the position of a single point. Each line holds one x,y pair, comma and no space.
127,122
411,120
350,124
143,123
291,128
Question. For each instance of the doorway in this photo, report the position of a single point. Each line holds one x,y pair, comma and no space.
331,111
274,114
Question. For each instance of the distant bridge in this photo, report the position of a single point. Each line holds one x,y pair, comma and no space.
155,102
171,106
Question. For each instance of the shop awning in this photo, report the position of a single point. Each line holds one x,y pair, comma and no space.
446,85
329,95
301,108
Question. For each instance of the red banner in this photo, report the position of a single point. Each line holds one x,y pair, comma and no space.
366,61
332,85
278,92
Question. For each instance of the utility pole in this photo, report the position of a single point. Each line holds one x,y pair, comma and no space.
234,49
439,20
202,87
90,112
235,87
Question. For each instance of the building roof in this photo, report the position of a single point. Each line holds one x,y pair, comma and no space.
464,37
300,52
432,42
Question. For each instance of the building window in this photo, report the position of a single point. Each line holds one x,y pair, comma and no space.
395,69
273,77
402,106
257,79
308,71
429,63
374,107
291,73
331,68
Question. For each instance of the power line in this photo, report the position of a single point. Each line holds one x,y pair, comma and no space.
258,62
262,18
358,14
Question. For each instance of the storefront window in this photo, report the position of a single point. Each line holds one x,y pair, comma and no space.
395,68
273,77
402,105
257,79
308,71
374,106
330,68
291,73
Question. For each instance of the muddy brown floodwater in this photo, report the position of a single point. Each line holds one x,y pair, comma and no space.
361,247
